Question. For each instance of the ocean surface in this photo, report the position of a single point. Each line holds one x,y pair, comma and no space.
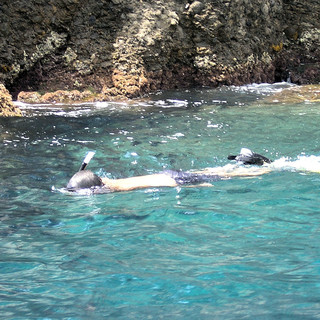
246,248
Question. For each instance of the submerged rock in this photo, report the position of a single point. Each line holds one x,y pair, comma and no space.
297,94
7,108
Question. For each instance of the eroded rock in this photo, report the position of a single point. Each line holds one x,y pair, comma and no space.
7,108
128,48
59,96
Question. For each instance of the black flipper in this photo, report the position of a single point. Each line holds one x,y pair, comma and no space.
248,157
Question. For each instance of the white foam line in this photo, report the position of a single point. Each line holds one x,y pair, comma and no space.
303,163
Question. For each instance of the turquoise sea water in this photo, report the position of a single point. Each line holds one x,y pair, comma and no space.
243,249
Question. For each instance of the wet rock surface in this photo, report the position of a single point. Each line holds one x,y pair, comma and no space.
7,108
118,48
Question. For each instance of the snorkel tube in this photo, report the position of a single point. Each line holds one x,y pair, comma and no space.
87,159
84,179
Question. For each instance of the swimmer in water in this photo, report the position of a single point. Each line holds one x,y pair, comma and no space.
86,179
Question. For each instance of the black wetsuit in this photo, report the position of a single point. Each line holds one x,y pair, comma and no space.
182,177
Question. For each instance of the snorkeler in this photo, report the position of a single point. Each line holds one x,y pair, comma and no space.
85,179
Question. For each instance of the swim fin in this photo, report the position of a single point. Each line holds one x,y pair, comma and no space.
248,157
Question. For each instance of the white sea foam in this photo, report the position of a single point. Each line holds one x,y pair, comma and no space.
265,88
302,163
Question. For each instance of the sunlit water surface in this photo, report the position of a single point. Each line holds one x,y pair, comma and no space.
243,249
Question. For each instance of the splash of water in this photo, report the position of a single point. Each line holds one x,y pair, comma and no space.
302,163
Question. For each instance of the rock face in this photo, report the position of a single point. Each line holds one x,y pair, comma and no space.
122,48
7,109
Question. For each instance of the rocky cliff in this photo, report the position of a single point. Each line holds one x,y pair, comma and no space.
116,48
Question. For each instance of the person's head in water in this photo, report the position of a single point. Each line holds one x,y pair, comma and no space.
83,180
248,157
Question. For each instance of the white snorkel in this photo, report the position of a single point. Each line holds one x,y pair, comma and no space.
86,160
